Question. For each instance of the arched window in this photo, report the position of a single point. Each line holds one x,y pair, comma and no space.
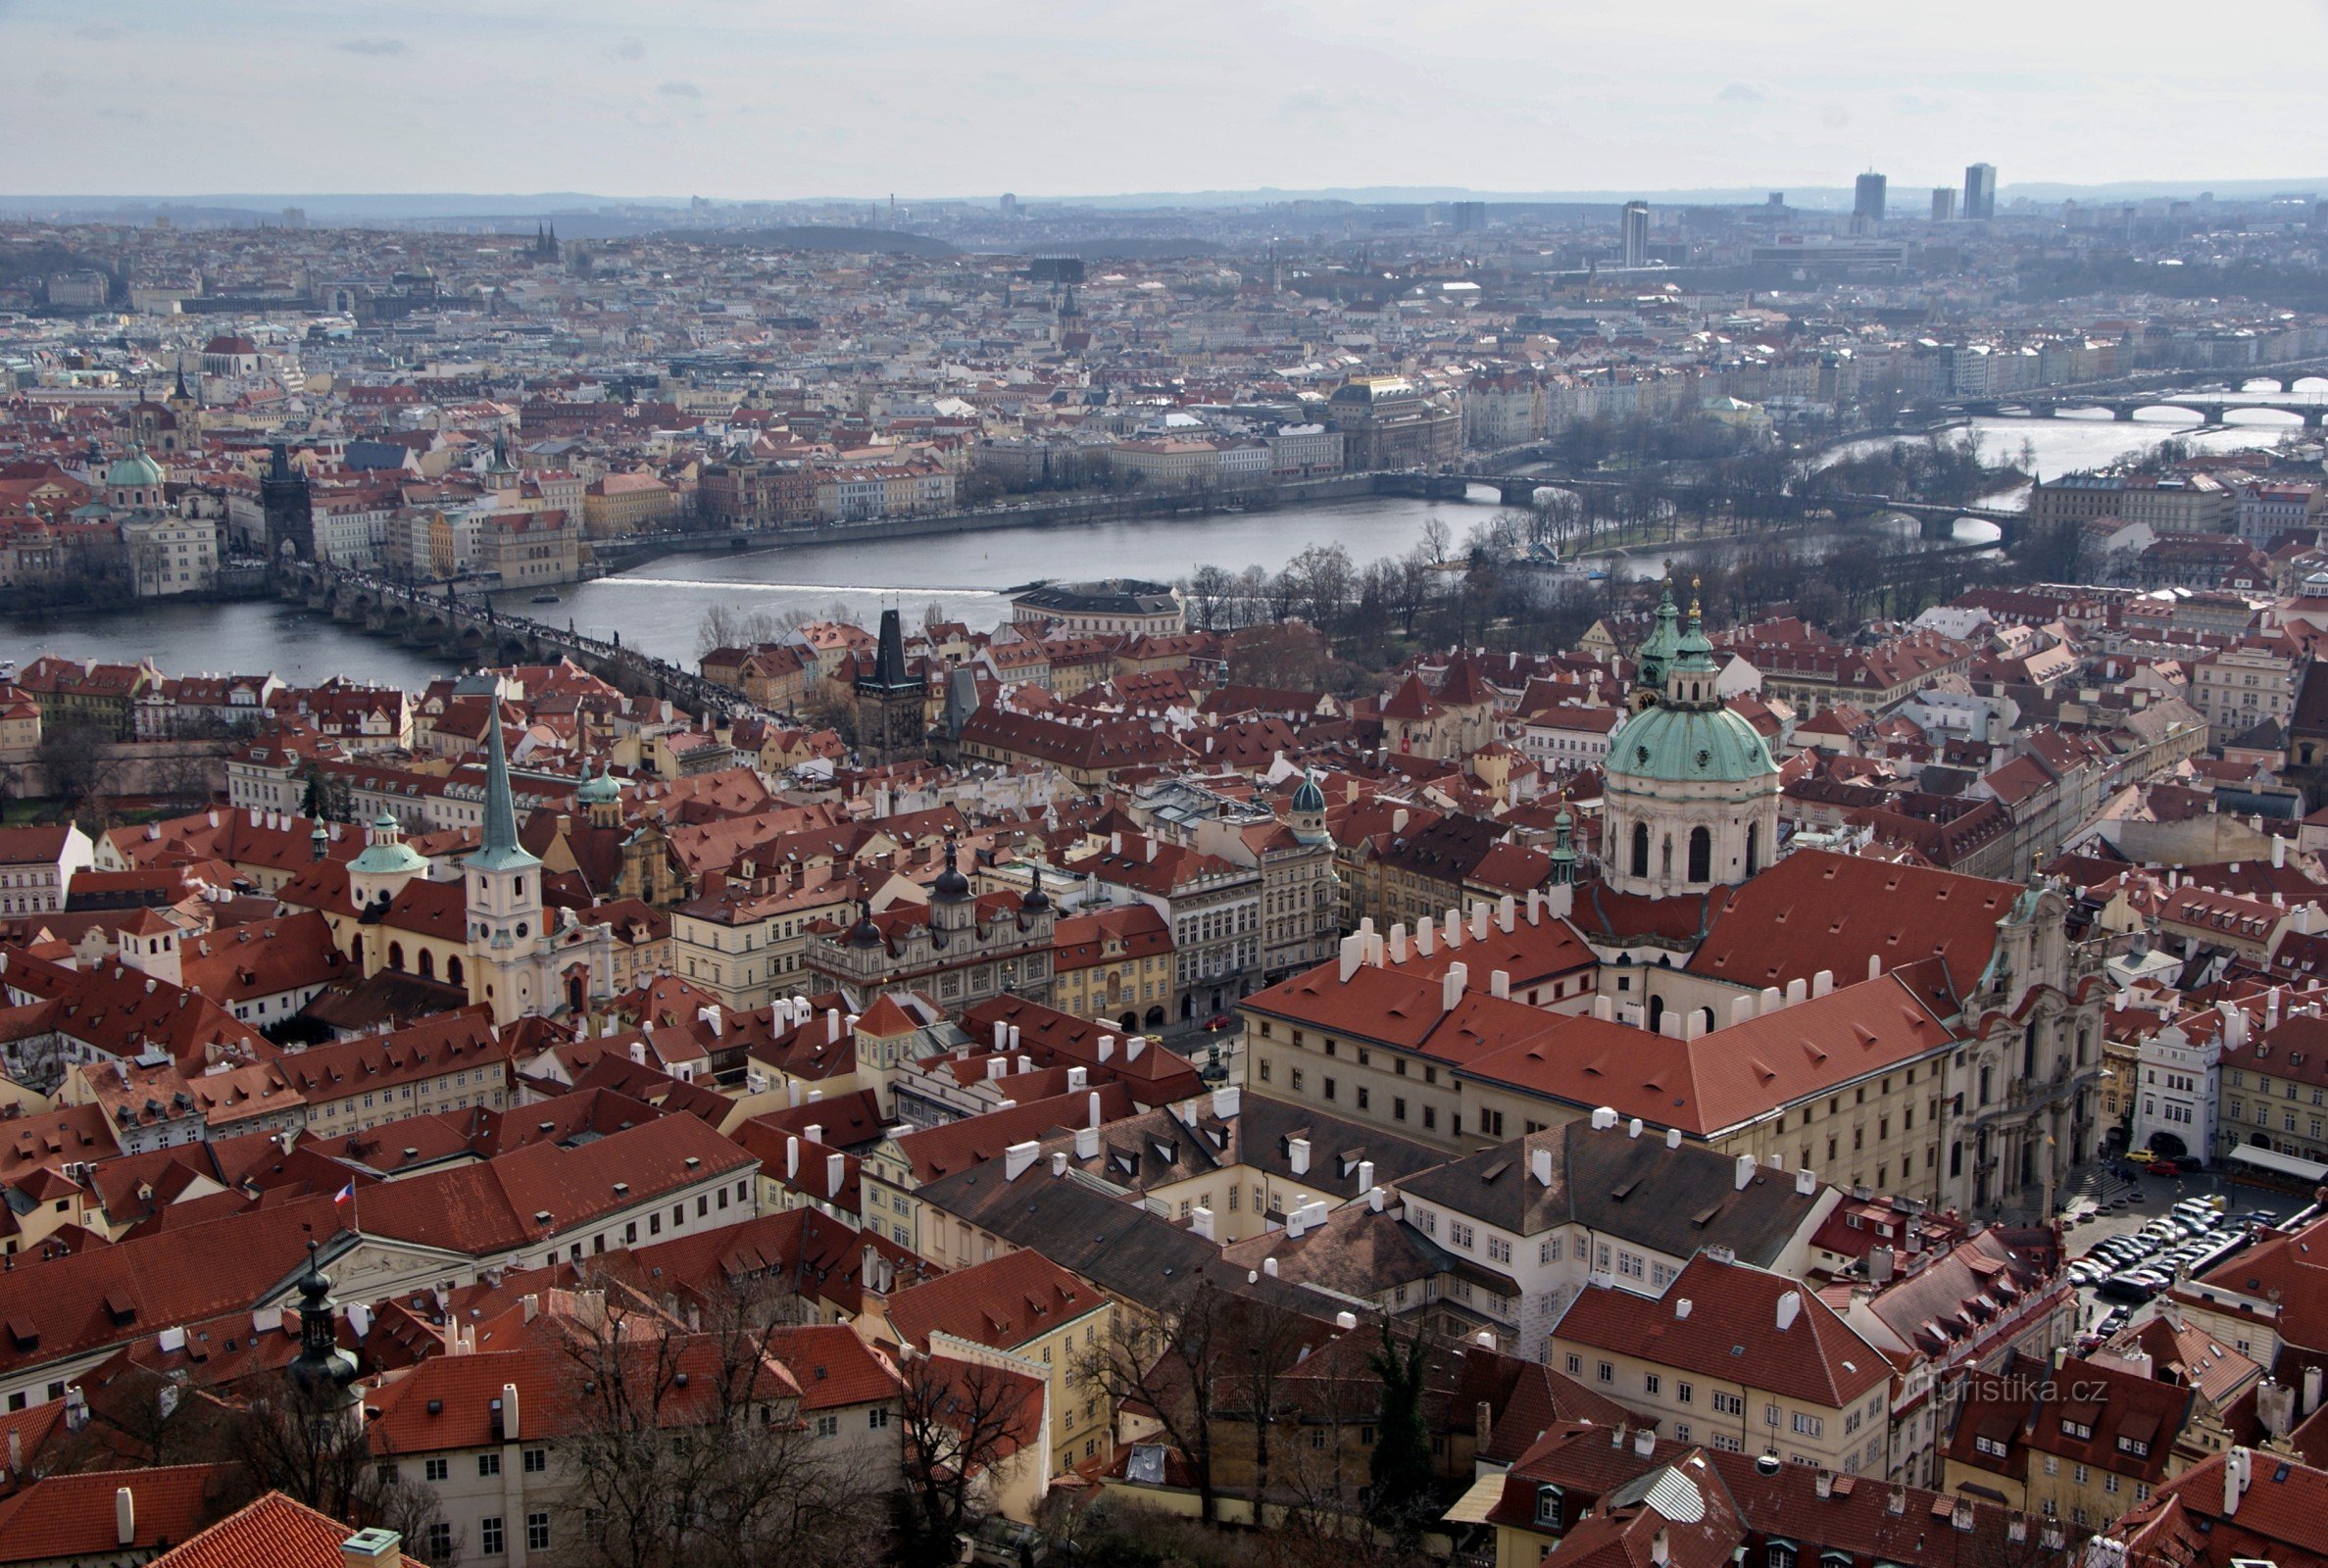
428,965
1641,849
453,970
396,956
1754,847
1700,854
1656,1014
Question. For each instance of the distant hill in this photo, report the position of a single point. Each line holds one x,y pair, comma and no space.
822,237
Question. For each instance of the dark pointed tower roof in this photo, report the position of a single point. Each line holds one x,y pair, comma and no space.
890,673
951,887
1035,901
321,1371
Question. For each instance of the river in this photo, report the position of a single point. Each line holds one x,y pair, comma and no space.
660,604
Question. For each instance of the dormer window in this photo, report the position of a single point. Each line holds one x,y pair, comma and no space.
1548,1507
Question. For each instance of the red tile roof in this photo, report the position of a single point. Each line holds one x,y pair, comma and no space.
269,1534
1731,1333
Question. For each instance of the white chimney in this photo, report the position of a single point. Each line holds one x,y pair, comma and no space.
509,1430
1603,1118
2279,853
1633,1128
1087,1143
1426,938
1227,1101
1059,1165
1296,1153
2311,1388
1018,1157
1672,1138
1452,929
1479,923
1374,1199
1092,1107
1499,984
1107,1046
1269,1266
1789,1305
1451,987
125,1516
1681,1308
791,1158
1366,1175
1134,1045
1645,1444
1806,1182
1823,983
1001,1034
1345,1322
1507,913
1742,1172
2235,1479
1199,1220
1354,952
1540,1166
1796,990
1077,1077
833,1026
1398,943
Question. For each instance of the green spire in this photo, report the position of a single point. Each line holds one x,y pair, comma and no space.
1563,848
501,850
1658,649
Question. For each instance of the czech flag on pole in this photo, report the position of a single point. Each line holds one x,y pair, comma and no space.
346,1195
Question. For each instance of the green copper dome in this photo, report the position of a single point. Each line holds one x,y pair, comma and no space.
1684,745
387,855
1309,797
602,789
136,472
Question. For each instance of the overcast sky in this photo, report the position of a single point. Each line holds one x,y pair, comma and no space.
776,98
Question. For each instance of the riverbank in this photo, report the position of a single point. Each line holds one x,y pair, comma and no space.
621,555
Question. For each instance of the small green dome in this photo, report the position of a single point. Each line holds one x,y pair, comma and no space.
1309,797
600,789
1688,745
387,855
136,472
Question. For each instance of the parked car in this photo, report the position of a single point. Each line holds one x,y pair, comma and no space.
2135,1285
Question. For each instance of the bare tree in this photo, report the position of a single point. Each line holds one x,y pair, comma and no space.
1168,1359
962,1421
321,1456
690,1449
77,762
1437,537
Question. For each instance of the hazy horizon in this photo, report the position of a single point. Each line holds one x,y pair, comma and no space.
742,100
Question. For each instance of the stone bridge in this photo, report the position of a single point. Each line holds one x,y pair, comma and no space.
471,629
2213,409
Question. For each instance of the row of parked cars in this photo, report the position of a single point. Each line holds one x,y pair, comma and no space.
2138,1265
